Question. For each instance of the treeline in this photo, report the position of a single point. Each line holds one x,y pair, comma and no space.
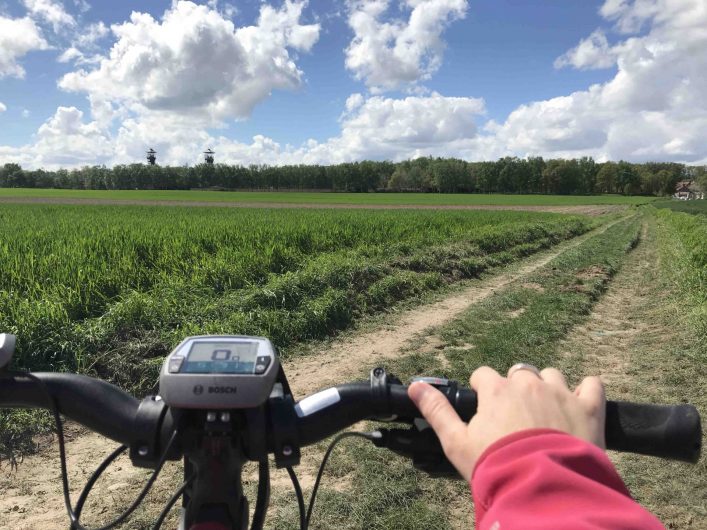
443,175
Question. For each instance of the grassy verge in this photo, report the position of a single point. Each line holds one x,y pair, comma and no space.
683,245
677,364
522,322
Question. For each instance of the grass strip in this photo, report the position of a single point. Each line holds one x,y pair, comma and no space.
670,364
525,321
683,246
691,207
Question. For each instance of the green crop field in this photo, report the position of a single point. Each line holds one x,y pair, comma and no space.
693,207
329,198
79,281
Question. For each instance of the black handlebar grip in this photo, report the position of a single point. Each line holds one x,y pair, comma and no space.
100,406
667,431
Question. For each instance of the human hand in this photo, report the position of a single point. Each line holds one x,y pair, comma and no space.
522,400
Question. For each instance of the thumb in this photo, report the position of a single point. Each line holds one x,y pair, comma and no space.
443,419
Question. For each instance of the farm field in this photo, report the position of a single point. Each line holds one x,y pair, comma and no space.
693,207
372,199
133,280
342,291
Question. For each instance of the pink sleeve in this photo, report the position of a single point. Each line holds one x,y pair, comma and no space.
546,479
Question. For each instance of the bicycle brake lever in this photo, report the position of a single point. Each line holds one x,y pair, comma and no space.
421,446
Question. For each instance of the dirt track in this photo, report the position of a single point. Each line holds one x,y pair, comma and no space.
592,210
345,358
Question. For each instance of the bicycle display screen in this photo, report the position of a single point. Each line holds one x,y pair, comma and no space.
219,372
221,358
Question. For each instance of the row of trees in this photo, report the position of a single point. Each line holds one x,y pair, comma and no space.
444,175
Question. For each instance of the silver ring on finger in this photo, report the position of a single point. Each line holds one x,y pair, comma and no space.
523,366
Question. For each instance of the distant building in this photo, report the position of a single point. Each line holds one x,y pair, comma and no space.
687,190
683,192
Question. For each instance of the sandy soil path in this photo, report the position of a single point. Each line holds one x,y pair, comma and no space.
593,210
30,497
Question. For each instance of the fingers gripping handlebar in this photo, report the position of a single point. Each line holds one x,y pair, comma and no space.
668,431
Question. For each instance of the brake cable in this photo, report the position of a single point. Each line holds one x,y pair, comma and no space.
300,497
94,477
146,489
170,503
370,436
73,516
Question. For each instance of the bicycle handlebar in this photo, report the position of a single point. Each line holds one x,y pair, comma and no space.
100,406
667,431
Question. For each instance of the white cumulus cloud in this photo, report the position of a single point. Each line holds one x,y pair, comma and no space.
655,107
592,52
194,61
3,108
382,127
18,36
398,53
85,45
64,140
51,12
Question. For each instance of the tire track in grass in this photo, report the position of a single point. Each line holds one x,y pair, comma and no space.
642,353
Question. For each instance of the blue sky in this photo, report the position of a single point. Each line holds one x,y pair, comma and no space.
381,79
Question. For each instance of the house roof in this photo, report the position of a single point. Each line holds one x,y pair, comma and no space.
685,186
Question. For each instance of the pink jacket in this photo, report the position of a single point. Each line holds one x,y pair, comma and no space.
546,479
